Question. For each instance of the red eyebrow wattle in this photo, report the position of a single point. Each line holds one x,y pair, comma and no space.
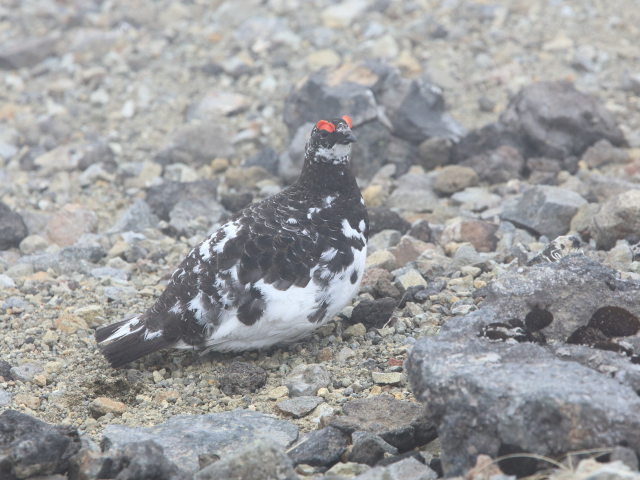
327,126
347,119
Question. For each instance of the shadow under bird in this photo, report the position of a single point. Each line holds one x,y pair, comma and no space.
272,274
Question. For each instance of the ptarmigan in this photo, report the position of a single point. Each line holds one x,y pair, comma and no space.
273,273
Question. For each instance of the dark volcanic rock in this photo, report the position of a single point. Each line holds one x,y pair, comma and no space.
571,290
182,202
135,461
377,146
12,228
30,447
373,313
381,218
5,370
319,98
497,166
483,141
162,198
241,378
259,459
556,120
520,396
501,397
185,437
369,448
235,201
545,119
398,422
320,448
544,210
416,109
266,158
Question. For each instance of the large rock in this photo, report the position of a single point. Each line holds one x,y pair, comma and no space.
391,114
414,193
415,108
197,144
185,437
164,197
502,379
496,166
545,119
136,218
181,203
618,218
134,461
544,210
558,298
69,223
30,447
257,460
406,469
323,97
480,234
320,448
381,218
369,448
398,422
12,228
556,120
484,141
26,52
378,146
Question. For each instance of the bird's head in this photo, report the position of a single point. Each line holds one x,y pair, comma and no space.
330,142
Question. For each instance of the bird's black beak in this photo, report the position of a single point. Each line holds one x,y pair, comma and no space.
348,137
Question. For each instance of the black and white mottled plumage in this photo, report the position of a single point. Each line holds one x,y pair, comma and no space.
272,274
558,248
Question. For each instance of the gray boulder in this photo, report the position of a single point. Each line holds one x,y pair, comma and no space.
618,218
521,375
197,144
544,210
556,120
545,119
30,447
185,437
320,448
398,422
258,460
134,461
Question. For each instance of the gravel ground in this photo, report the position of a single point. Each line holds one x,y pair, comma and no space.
104,89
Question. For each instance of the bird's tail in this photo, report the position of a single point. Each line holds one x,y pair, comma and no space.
128,340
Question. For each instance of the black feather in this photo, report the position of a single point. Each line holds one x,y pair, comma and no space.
129,347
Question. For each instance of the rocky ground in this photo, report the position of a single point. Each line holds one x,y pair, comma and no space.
129,130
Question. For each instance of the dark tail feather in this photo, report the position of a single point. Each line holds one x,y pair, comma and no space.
128,340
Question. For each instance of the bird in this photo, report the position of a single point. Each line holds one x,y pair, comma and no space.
273,273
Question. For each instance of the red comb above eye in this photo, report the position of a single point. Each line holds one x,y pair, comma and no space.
347,119
327,126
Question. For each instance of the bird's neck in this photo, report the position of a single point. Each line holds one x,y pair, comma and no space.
325,178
